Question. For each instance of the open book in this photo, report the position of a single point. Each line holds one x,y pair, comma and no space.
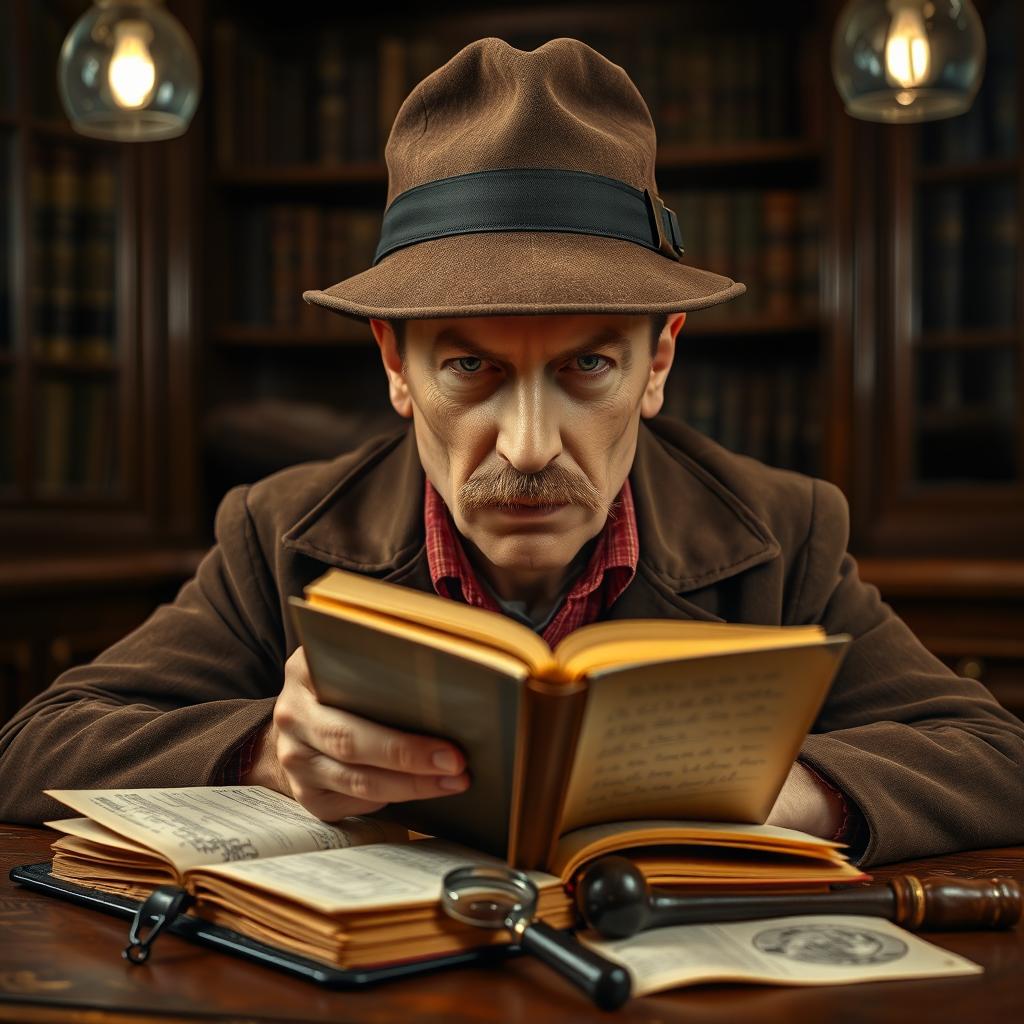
625,721
351,894
360,892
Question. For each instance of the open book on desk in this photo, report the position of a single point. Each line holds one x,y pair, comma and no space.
352,894
625,721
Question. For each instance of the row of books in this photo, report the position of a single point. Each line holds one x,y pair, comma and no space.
968,239
281,250
770,412
278,103
73,196
76,434
989,128
767,239
770,239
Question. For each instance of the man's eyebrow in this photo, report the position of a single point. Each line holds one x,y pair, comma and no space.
606,336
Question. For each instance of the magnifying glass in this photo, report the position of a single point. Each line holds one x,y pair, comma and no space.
501,897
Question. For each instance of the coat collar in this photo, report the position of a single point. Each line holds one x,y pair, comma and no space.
694,531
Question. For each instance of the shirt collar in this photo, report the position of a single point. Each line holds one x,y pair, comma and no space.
614,557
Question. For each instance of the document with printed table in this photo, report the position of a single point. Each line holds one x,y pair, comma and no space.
624,722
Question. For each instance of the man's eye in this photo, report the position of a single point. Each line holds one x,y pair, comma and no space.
469,364
590,363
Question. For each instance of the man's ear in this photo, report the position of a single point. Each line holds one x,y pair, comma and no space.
654,392
398,388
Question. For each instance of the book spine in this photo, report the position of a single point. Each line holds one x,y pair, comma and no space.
551,716
332,103
97,268
282,246
779,251
310,253
225,37
66,210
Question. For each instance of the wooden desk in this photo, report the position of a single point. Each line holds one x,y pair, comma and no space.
59,962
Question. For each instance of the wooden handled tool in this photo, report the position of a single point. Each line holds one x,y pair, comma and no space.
613,897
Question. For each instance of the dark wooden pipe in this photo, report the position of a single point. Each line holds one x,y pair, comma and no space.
613,897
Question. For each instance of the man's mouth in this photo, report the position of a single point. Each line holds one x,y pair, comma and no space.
527,507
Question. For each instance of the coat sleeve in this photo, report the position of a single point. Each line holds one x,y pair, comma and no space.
931,759
168,704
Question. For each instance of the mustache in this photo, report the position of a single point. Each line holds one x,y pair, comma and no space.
505,487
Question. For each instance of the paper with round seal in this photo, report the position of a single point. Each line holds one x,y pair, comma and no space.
814,949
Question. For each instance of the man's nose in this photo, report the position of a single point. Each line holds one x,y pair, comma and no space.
529,434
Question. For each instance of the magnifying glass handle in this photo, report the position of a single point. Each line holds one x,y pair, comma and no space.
606,983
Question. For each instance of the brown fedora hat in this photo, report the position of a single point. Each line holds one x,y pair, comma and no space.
523,182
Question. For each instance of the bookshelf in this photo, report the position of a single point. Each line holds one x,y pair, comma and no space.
851,356
98,504
941,457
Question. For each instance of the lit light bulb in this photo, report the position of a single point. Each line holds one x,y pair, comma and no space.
908,55
132,75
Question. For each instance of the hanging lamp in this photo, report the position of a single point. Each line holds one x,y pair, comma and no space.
900,61
129,72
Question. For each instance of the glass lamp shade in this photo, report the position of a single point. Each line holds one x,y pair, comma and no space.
900,61
128,71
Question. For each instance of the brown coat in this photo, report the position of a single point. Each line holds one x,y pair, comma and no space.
931,759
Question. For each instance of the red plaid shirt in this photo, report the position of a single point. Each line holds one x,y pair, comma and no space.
611,567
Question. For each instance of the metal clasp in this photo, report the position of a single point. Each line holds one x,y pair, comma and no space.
162,906
669,247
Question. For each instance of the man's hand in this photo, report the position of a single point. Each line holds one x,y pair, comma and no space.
806,805
335,763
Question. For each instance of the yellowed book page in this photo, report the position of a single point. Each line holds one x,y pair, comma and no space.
716,865
705,740
810,950
643,640
358,879
196,825
436,612
471,650
584,843
86,828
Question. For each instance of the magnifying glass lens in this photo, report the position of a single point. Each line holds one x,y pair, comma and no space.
488,899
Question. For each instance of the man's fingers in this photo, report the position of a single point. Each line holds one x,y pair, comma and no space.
329,805
349,739
375,785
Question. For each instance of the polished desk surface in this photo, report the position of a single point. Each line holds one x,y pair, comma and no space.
63,962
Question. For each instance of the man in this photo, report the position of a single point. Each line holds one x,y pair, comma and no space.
526,296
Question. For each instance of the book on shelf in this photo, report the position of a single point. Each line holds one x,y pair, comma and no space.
77,440
283,248
361,892
624,722
73,196
770,239
766,412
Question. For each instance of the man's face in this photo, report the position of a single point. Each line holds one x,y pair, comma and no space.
527,425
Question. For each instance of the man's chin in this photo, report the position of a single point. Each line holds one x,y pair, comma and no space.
539,547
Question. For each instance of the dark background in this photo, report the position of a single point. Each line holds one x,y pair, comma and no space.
155,349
